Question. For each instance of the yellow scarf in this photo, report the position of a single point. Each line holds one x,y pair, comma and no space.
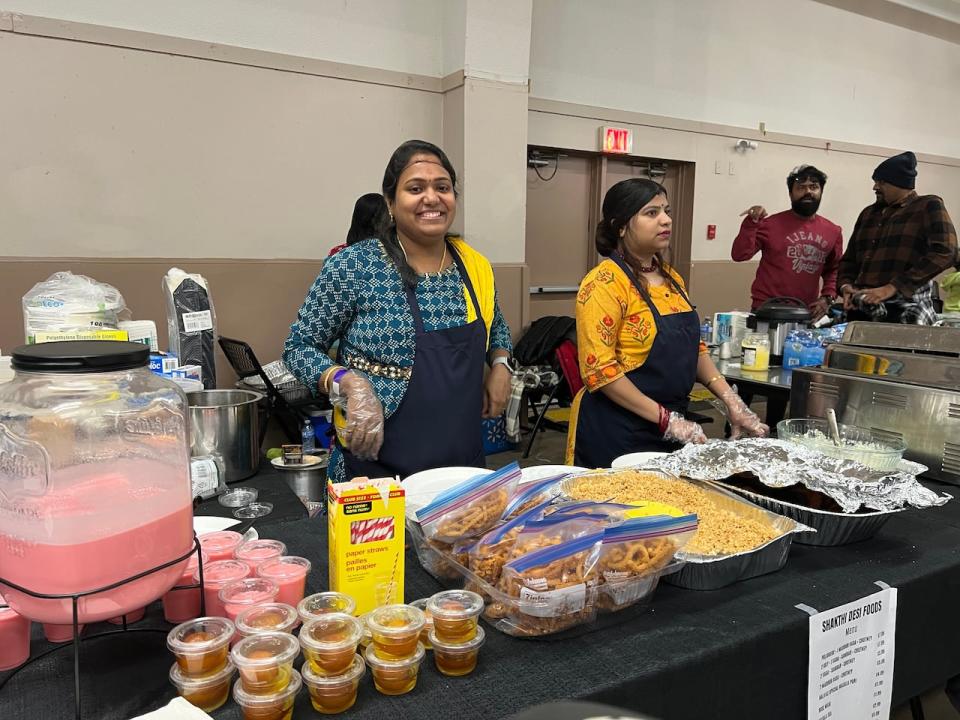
481,277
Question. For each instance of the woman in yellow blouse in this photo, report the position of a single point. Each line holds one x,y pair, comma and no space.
638,339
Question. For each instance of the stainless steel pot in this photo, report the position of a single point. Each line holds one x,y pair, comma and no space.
308,480
226,423
778,335
777,317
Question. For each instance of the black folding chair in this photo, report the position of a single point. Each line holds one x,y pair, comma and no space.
290,414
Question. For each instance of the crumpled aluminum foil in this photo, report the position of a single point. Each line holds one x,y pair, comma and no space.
778,464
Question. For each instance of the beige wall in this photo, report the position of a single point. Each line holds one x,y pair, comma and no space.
111,152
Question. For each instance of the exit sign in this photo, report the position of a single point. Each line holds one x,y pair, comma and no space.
616,140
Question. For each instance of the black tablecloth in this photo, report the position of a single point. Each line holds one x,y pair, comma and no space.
271,488
739,652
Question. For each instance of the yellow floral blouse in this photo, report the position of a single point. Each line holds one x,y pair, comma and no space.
615,328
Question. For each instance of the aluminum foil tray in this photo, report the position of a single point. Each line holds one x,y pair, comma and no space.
832,528
712,572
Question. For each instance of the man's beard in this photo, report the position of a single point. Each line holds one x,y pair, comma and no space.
880,201
806,206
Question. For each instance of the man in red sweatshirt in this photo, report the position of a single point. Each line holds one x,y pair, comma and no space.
797,247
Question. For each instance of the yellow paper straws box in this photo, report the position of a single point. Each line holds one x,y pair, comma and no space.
366,534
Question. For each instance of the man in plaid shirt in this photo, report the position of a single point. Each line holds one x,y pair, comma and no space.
899,245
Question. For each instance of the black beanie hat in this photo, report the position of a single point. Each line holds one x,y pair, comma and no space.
900,170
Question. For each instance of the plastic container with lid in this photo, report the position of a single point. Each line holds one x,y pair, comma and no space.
221,544
277,705
14,637
242,594
289,572
457,659
267,617
395,677
255,552
319,604
182,605
755,355
265,661
330,642
201,646
336,694
95,481
216,576
396,630
455,614
208,692
427,626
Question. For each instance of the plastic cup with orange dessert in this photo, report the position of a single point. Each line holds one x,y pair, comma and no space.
256,552
455,614
395,630
208,692
395,677
319,604
334,694
201,646
330,643
265,661
276,705
456,659
428,625
242,594
267,617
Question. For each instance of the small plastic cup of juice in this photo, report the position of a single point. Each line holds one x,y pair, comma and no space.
330,643
394,677
216,576
334,694
396,631
267,617
254,552
207,693
428,625
456,659
242,594
319,604
455,614
265,662
276,705
289,572
201,645
182,605
15,637
220,545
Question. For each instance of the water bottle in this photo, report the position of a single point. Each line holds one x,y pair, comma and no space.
308,439
792,350
706,331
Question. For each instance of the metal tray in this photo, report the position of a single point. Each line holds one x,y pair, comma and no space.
712,572
832,528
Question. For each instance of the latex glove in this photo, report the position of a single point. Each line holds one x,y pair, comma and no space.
743,421
496,391
363,434
681,430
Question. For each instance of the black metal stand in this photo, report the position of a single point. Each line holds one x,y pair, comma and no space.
75,598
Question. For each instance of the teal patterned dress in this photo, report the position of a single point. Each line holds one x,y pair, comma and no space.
359,299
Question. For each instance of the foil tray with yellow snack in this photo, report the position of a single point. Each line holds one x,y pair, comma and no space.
735,540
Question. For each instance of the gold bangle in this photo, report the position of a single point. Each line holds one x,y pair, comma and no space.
712,380
325,378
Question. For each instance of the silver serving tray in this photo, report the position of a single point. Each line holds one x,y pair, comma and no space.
832,528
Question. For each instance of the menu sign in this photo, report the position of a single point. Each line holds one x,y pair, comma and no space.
851,659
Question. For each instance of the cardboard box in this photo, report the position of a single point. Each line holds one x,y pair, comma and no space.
366,536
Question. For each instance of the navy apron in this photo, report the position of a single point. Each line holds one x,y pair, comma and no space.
438,421
606,430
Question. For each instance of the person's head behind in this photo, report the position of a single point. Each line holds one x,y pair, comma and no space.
805,183
369,218
895,178
420,189
636,220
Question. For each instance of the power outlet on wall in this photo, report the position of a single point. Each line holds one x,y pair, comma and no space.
718,167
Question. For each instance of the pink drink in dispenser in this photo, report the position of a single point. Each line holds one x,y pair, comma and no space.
182,605
216,576
94,480
290,574
14,638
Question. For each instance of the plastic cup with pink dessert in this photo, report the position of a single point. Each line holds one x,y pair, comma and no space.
289,572
216,576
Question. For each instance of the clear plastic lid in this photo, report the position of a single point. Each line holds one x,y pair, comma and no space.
222,572
319,604
421,604
393,620
265,650
331,632
457,648
254,552
267,617
455,604
249,591
193,684
285,567
352,674
249,700
238,497
377,663
200,636
253,510
220,542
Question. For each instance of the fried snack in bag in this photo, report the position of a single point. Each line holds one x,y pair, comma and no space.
632,555
533,494
554,587
470,508
489,553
